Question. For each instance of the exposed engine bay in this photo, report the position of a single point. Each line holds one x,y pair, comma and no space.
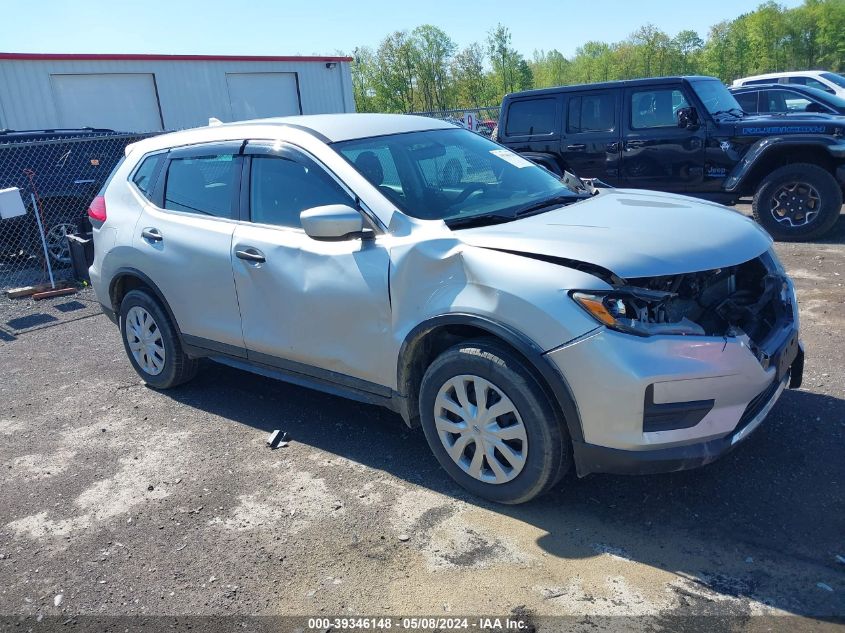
750,300
745,300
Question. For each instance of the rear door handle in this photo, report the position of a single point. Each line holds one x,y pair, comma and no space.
634,145
578,147
251,254
152,234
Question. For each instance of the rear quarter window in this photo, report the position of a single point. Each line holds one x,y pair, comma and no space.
144,176
531,117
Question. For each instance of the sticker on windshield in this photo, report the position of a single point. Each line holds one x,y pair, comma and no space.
514,159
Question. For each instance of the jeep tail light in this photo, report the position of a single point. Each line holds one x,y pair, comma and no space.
97,210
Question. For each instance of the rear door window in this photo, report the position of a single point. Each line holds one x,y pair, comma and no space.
531,117
202,184
591,113
748,101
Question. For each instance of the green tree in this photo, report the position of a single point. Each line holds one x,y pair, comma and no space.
829,21
432,52
650,41
688,45
549,69
423,70
509,67
395,75
766,31
363,68
556,68
470,86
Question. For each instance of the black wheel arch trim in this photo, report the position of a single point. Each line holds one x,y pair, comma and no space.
840,176
532,352
832,148
120,273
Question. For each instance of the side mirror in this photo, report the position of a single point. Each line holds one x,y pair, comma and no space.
688,118
334,222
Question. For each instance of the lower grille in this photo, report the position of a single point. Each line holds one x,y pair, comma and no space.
756,405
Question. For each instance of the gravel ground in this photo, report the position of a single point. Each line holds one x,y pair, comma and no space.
129,502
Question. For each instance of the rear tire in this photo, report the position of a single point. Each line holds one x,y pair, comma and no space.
525,449
797,202
60,217
152,343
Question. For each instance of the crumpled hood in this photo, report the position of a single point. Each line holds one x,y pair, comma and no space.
632,233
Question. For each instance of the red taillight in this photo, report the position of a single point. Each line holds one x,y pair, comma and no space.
97,210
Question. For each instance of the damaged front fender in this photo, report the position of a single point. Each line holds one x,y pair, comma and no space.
445,276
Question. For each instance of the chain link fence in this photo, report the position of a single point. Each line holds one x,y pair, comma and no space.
58,173
481,120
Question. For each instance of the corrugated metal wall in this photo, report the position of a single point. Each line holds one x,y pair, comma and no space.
189,91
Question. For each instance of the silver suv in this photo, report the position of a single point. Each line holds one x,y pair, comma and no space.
526,321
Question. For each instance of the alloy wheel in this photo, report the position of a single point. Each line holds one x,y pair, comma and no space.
57,244
481,429
145,341
795,204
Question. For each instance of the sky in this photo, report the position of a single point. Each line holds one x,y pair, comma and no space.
325,27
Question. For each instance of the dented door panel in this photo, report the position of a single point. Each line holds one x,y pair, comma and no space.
323,304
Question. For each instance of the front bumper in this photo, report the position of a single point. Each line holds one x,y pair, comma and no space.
615,378
590,458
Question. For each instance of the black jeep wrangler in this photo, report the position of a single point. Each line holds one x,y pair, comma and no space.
67,168
687,135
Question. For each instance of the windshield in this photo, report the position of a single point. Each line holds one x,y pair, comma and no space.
826,97
451,175
715,96
839,80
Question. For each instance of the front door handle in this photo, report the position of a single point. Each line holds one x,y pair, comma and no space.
613,147
152,234
629,145
578,147
250,254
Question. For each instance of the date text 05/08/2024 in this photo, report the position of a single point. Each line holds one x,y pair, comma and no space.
418,623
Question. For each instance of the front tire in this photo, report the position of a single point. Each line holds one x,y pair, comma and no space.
151,342
491,425
797,202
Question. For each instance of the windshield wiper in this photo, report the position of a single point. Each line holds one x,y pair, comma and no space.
534,207
731,111
482,219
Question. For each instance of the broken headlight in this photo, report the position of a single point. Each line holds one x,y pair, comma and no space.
637,311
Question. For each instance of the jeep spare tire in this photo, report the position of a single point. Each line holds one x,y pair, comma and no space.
798,202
